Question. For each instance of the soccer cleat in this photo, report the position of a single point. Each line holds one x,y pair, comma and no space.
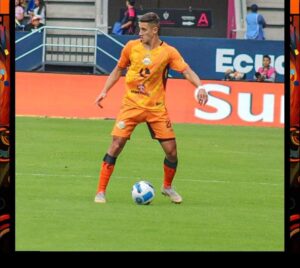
170,192
100,198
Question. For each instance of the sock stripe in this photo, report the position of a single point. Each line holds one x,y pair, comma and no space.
109,159
170,164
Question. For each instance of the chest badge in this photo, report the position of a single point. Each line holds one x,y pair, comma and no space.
146,60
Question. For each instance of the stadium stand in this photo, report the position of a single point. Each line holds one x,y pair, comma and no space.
74,13
74,49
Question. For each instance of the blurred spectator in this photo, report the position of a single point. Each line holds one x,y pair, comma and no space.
30,6
34,24
255,24
19,26
23,4
266,73
233,75
26,17
39,9
128,22
19,12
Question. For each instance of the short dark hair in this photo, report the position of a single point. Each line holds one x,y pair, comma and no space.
254,8
150,17
267,56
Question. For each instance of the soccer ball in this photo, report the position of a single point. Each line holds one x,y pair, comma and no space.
142,193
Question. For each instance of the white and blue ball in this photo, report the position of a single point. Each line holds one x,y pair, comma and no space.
142,193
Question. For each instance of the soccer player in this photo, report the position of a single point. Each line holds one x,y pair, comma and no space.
147,60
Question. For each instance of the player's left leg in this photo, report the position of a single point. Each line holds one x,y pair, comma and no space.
170,161
170,166
161,129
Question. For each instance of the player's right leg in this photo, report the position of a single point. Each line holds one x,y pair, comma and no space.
108,165
126,121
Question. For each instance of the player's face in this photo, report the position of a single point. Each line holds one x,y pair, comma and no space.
147,32
35,22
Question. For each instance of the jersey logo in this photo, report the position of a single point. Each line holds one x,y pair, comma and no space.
144,72
146,61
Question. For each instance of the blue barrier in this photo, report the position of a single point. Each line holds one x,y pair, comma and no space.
32,60
208,57
211,57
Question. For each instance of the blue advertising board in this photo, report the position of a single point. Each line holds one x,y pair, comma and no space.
211,57
33,59
208,57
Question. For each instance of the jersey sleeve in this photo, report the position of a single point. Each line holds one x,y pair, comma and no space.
124,59
177,62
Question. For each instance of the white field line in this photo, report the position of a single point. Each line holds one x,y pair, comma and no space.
65,117
124,177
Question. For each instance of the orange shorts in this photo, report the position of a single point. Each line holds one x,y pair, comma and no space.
129,117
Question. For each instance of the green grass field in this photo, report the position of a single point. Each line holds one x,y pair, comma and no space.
231,179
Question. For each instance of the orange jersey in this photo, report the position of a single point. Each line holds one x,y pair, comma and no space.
145,81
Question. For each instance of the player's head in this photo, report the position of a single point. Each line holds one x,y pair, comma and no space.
36,20
149,26
39,2
266,61
130,2
254,8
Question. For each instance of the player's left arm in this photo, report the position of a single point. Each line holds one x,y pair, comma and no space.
201,93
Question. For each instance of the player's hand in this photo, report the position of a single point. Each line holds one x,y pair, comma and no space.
201,95
99,99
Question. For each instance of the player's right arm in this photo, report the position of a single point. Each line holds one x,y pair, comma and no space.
115,75
111,80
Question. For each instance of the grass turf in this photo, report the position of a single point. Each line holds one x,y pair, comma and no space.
231,179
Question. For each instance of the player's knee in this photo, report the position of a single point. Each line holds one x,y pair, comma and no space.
116,147
172,155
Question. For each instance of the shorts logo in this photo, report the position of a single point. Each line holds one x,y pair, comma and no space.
121,125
